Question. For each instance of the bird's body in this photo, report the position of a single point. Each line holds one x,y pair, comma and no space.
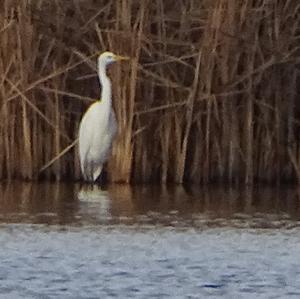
98,126
95,139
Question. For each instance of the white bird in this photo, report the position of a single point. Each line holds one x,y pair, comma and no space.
98,126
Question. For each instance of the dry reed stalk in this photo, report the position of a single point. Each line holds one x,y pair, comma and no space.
125,96
236,119
188,122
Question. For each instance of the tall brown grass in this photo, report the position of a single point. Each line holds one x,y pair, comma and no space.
211,93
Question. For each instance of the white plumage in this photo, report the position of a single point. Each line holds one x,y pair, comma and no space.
98,126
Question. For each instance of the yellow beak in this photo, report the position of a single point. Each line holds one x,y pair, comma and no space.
119,58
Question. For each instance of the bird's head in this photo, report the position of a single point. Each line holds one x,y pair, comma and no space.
107,58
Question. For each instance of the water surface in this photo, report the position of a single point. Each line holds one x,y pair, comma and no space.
72,241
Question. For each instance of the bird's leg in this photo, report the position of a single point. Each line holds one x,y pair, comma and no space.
102,179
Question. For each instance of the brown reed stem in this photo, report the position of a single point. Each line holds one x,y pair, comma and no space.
210,94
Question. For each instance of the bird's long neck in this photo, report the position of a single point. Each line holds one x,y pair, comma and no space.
105,84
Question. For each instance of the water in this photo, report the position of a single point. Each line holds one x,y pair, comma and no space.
66,241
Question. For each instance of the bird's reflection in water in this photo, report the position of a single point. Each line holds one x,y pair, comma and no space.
94,202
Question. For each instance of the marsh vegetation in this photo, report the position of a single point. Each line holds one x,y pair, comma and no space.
210,95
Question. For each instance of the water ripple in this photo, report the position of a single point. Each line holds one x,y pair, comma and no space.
58,242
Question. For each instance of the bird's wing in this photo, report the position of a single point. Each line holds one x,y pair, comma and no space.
109,135
94,135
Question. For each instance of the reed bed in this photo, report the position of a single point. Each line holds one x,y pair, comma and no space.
211,93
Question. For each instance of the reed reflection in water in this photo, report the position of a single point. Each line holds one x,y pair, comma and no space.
152,205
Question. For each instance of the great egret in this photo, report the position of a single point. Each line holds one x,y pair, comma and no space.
98,126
